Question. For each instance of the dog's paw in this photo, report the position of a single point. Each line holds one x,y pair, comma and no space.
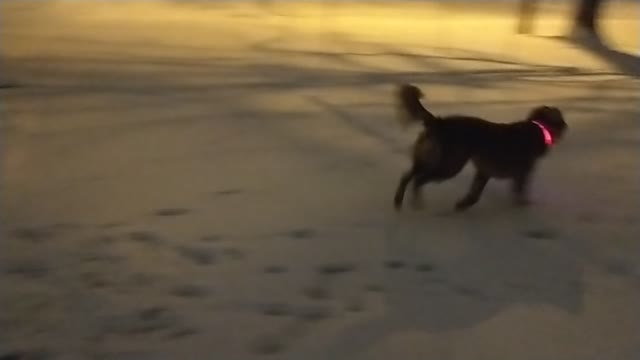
397,203
460,207
463,205
417,203
522,202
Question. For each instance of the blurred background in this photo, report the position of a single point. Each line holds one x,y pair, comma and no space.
214,180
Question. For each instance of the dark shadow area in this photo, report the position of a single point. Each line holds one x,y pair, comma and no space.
625,63
492,275
7,85
195,83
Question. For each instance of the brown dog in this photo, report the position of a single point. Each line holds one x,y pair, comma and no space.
506,151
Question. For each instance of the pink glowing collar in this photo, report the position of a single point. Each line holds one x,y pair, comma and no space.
548,139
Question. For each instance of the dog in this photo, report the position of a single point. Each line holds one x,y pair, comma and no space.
502,151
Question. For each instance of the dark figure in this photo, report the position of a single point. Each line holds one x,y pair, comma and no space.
527,12
448,143
586,18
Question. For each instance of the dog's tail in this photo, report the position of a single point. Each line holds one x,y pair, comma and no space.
409,108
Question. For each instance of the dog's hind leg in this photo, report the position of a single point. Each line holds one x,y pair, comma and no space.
477,186
402,187
418,181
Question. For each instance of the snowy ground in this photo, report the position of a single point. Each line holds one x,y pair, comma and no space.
192,181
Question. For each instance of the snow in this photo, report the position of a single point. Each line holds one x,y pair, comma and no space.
196,181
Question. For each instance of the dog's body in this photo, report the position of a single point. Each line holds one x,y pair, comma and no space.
507,151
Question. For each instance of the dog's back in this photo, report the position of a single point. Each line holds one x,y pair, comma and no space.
500,150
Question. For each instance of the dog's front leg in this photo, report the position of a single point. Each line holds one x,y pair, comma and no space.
416,192
402,186
477,186
521,189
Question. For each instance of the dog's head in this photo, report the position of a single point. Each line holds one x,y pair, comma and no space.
551,118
